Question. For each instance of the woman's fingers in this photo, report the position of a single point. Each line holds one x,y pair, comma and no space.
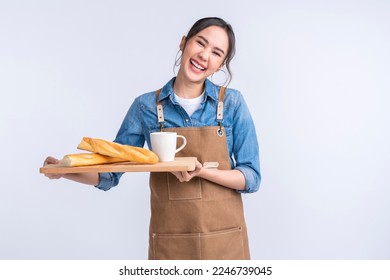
178,176
53,176
198,167
184,176
52,160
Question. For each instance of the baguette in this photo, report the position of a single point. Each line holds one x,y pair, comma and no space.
112,149
83,159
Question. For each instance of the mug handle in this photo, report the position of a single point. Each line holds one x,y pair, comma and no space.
183,145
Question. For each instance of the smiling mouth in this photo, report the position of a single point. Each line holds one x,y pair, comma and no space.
197,66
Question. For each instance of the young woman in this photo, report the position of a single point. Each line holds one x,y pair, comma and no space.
198,214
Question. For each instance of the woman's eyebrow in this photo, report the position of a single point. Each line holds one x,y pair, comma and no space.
204,39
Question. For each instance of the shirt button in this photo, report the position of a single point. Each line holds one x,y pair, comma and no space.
187,120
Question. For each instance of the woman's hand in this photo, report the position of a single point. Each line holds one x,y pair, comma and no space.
184,176
84,178
232,179
52,160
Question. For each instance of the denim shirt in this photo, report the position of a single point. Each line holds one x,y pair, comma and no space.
243,148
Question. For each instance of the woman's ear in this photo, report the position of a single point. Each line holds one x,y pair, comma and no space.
182,43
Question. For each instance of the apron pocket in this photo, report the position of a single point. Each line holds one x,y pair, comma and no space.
219,245
185,190
223,245
176,246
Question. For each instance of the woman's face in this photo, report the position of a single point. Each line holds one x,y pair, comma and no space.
204,53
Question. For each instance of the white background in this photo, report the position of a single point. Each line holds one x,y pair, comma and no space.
315,75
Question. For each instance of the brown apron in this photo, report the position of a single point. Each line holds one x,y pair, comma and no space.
197,220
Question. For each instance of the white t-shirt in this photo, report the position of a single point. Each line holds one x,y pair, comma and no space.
190,105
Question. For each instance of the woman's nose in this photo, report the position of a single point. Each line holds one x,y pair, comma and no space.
204,55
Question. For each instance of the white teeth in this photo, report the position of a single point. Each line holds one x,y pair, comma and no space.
197,65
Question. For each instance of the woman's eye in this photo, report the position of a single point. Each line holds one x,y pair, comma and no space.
201,43
217,54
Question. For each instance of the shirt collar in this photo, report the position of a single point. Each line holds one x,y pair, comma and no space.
211,90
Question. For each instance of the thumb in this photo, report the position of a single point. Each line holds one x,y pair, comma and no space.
51,160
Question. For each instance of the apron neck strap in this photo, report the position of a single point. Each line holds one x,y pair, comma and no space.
160,111
221,96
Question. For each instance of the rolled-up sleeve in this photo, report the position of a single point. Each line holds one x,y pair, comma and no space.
108,180
252,179
246,147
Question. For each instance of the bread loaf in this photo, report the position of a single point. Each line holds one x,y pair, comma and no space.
112,149
88,159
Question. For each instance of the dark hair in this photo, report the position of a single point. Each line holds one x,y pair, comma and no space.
215,21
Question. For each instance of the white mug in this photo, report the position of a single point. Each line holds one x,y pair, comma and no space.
164,145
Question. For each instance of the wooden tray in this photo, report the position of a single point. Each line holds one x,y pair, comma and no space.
179,164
